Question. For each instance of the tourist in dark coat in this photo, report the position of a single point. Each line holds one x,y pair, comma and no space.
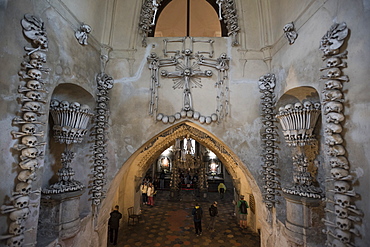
113,224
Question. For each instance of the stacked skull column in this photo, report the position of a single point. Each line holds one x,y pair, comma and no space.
33,95
267,85
105,83
342,215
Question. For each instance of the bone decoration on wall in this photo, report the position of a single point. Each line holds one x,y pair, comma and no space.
70,122
269,170
298,122
186,74
290,33
342,215
105,83
226,12
82,34
33,95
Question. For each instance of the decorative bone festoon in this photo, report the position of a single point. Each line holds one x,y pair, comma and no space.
70,122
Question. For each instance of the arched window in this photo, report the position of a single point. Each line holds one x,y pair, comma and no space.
184,18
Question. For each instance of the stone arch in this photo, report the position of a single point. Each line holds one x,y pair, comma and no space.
127,182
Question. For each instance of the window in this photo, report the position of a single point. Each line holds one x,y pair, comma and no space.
184,18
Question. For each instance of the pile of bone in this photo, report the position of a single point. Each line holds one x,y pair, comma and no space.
298,122
344,214
70,120
33,97
272,185
187,114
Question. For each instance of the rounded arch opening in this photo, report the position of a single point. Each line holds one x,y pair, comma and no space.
195,18
126,183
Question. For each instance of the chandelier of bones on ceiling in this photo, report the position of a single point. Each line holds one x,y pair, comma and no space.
186,75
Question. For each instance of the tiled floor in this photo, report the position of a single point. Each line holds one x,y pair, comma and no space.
170,223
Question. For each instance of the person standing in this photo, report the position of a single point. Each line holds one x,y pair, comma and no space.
150,194
144,190
221,189
213,212
113,224
243,212
197,213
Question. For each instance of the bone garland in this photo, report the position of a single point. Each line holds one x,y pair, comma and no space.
70,121
105,83
147,18
186,76
298,122
290,33
82,34
231,20
269,170
343,221
33,97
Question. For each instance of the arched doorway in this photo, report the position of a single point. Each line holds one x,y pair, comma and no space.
125,187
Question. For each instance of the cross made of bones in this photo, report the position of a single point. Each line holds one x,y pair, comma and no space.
186,76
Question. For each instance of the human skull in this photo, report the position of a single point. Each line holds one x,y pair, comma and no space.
333,84
85,108
100,130
26,176
75,106
29,153
36,63
343,224
41,40
336,150
34,74
23,188
343,236
187,52
333,139
307,104
29,141
339,161
298,106
289,107
33,95
99,175
16,241
97,201
269,150
54,103
340,212
333,128
208,73
100,137
41,56
339,173
333,106
30,117
16,228
341,186
102,105
338,243
101,118
29,128
333,62
317,105
103,99
64,104
342,200
20,215
32,106
22,202
29,164
334,73
99,156
34,85
86,28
